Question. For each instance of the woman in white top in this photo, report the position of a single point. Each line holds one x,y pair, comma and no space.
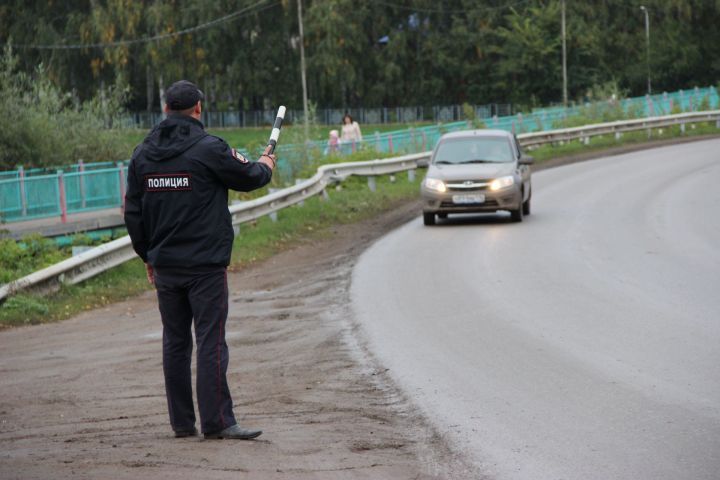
350,130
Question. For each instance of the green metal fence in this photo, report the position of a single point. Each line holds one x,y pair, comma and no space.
60,194
294,157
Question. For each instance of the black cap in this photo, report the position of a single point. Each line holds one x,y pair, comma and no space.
182,95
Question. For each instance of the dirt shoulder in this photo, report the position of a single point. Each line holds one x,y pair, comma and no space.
85,398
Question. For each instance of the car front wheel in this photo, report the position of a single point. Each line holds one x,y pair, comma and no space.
526,207
428,218
517,214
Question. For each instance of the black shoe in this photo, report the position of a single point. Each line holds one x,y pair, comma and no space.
186,433
235,432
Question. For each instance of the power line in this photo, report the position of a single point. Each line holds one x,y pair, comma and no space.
204,26
443,10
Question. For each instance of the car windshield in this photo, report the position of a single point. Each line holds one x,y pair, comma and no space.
474,150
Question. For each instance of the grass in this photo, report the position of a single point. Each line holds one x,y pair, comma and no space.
258,241
111,286
352,203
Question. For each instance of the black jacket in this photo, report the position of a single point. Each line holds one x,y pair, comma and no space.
176,206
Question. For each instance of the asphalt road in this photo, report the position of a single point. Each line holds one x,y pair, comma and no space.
581,344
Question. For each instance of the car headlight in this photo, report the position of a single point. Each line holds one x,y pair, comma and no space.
435,185
502,182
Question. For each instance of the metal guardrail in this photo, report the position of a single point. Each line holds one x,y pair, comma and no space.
617,128
248,211
106,256
74,269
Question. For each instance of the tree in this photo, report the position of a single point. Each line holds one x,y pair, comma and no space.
454,51
528,50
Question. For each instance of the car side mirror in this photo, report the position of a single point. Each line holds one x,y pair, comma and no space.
526,160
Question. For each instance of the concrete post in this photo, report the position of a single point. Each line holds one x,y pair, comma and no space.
300,180
273,215
121,174
618,136
61,193
81,169
411,175
23,193
372,184
682,129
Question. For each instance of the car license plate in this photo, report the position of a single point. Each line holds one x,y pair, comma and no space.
462,199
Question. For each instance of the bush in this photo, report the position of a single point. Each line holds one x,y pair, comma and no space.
704,104
470,116
43,126
83,240
22,258
23,309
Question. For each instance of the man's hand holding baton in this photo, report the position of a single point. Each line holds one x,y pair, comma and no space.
268,157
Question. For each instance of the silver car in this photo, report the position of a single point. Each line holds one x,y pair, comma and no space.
477,171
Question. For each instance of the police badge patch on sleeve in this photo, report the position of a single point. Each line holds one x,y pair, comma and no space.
238,156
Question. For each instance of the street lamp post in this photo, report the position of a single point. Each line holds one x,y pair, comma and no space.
303,77
564,55
647,45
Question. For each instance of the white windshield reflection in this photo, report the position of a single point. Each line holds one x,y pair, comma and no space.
474,150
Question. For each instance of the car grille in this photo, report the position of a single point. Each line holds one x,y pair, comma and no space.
468,185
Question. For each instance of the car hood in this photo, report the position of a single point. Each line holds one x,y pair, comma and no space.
473,171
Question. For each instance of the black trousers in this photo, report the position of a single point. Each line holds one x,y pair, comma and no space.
201,295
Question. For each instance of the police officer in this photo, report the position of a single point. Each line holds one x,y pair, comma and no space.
177,216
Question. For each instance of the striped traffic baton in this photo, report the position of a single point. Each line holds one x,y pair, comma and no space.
275,134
